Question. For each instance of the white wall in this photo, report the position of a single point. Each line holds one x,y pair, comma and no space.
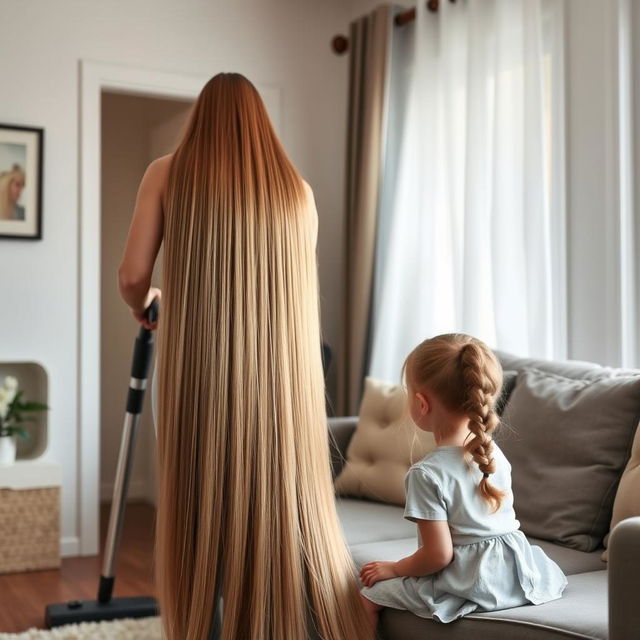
284,43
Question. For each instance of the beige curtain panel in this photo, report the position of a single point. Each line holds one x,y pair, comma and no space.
369,50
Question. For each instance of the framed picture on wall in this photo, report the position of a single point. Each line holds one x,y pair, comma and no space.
21,150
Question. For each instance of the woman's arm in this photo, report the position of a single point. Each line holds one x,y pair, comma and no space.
435,554
145,237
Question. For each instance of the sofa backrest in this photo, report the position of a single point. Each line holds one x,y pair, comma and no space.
575,369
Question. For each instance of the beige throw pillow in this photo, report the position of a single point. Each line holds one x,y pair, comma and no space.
385,444
627,500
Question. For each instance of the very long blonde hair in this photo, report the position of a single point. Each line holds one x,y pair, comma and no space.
245,502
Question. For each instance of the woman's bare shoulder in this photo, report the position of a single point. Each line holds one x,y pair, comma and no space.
310,207
163,163
308,192
159,170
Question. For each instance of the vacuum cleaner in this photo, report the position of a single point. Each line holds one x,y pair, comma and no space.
106,607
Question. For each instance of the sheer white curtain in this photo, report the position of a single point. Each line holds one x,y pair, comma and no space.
466,236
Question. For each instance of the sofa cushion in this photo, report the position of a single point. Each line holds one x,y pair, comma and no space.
368,521
627,499
570,441
385,444
570,561
377,531
580,613
386,550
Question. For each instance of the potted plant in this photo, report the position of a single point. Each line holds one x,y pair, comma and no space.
12,418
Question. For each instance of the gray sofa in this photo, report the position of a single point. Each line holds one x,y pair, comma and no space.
601,601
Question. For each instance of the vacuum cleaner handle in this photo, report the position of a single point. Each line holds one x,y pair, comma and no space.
152,311
142,353
145,340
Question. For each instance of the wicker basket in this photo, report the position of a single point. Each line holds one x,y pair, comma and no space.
29,529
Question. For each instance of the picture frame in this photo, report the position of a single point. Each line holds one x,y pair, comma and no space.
21,162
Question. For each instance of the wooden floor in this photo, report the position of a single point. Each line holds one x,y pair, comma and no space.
23,596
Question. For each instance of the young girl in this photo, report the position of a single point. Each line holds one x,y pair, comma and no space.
472,555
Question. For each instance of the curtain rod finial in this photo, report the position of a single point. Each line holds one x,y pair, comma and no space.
339,44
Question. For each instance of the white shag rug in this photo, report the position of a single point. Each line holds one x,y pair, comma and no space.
126,629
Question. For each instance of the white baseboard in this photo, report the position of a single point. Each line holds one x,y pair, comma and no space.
138,490
69,546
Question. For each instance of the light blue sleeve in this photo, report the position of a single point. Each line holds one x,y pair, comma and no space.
425,500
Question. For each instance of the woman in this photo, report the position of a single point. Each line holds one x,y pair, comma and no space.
245,505
11,185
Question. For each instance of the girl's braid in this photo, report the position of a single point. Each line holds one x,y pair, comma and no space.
480,393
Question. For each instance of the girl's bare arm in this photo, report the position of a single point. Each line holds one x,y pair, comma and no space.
435,554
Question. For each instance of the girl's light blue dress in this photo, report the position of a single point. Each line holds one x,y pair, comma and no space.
493,567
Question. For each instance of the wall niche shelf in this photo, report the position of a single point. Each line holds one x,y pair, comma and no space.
34,381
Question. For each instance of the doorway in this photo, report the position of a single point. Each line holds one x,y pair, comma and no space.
134,131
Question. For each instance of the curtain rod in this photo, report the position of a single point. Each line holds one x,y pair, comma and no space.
340,43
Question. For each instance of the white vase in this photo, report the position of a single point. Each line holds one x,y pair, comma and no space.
7,449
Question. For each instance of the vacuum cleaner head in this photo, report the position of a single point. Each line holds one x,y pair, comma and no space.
76,611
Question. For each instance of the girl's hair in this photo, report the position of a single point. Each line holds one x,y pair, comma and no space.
6,177
466,377
246,505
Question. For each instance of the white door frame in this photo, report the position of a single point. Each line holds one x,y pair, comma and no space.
94,78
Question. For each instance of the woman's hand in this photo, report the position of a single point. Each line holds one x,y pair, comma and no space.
373,572
139,314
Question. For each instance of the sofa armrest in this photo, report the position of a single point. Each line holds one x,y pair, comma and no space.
624,580
340,433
